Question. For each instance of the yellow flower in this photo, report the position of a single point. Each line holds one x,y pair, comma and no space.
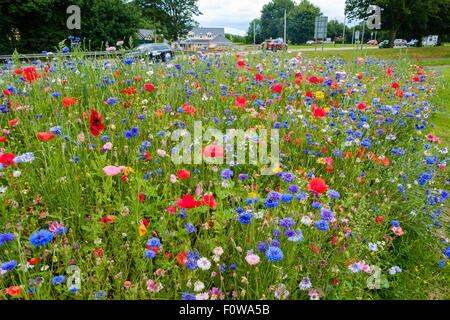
253,195
319,95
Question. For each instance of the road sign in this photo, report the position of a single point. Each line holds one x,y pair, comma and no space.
320,28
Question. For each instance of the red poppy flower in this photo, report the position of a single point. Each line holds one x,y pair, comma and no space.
361,106
149,87
319,113
212,151
68,101
183,174
395,85
208,200
241,101
187,202
2,139
259,77
241,63
7,159
95,123
181,258
141,197
317,185
277,88
12,122
45,135
30,74
188,108
33,261
379,219
7,93
18,71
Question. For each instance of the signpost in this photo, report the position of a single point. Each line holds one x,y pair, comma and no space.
320,29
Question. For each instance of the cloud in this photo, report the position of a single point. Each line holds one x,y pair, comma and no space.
236,15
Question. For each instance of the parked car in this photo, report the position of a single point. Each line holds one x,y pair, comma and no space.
383,44
398,43
372,42
274,45
315,42
430,41
413,43
159,51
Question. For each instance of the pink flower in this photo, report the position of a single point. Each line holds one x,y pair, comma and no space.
107,146
171,209
360,60
328,160
173,178
113,170
161,153
252,259
397,231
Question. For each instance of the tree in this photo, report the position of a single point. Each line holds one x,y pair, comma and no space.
255,25
272,18
175,15
396,13
300,22
31,26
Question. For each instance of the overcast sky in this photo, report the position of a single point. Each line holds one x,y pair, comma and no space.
235,15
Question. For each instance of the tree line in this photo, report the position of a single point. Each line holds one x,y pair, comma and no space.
32,26
399,18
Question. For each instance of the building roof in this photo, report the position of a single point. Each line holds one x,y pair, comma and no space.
204,31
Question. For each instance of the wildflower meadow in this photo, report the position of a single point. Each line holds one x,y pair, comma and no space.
121,178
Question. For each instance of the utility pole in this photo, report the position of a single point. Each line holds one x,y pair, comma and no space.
284,39
254,34
362,37
343,32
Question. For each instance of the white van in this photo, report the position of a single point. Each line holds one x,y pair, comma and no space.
430,41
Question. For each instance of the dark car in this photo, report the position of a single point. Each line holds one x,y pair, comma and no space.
383,44
274,45
159,51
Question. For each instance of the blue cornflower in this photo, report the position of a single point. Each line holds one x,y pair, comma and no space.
293,188
127,134
189,227
134,131
188,296
41,237
287,222
153,242
6,237
270,203
287,197
111,100
296,237
245,218
322,225
58,280
226,173
150,254
274,195
316,205
243,176
9,265
333,194
274,254
261,246
326,214
395,223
